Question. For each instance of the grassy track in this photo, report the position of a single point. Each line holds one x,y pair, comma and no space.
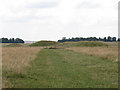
59,68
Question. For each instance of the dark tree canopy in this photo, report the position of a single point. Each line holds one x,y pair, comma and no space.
11,40
105,39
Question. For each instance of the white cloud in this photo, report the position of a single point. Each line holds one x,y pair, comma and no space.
53,19
43,5
88,5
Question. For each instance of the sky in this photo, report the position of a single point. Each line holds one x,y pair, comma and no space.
34,20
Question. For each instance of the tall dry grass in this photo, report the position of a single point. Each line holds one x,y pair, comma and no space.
110,53
15,59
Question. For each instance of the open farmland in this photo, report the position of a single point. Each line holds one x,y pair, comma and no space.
72,66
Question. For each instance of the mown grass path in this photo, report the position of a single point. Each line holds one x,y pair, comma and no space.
59,68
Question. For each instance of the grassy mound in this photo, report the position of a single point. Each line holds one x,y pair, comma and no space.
43,43
85,44
14,45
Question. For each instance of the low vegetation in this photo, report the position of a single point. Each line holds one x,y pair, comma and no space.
74,65
44,43
112,44
15,59
84,44
110,53
14,45
59,68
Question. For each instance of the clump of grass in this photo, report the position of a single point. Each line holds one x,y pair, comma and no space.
85,44
43,43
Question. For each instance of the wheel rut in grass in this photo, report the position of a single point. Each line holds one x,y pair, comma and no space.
59,68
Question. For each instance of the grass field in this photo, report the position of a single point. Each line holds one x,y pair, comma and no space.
71,67
15,59
110,53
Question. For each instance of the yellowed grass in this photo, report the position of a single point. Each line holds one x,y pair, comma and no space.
17,58
104,52
5,83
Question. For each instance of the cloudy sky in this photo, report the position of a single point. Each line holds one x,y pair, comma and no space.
53,19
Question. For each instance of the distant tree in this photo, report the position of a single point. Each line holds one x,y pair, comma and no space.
77,39
100,39
18,40
5,40
114,39
105,39
109,39
63,38
11,40
94,39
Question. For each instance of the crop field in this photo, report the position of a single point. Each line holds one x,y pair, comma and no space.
63,65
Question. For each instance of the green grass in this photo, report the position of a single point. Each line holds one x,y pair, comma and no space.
14,45
43,43
112,43
59,68
84,44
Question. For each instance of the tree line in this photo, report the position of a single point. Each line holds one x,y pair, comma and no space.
105,39
11,40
